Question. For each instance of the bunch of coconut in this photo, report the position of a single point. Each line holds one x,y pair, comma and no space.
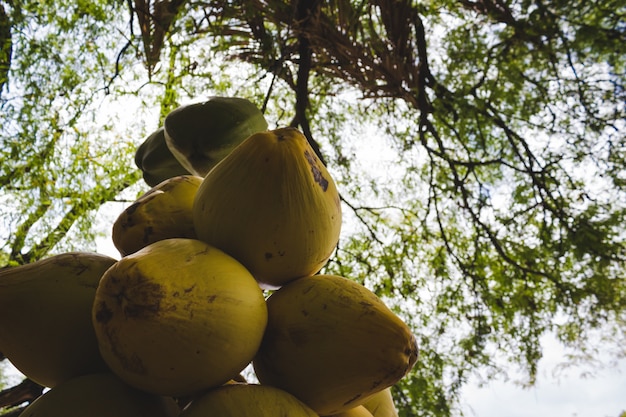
220,272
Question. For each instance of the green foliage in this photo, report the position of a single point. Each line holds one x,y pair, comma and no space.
51,113
6,47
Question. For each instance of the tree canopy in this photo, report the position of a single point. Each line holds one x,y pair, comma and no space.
491,214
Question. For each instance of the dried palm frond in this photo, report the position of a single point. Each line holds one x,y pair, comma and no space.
155,18
374,45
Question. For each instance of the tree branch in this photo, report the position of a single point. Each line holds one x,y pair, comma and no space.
80,208
6,47
305,13
361,219
25,392
19,237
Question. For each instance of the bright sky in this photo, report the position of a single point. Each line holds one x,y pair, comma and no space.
569,395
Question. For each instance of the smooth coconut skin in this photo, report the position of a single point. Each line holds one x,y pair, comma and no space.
178,317
358,411
199,135
332,343
45,316
247,400
163,212
156,161
381,404
99,395
272,205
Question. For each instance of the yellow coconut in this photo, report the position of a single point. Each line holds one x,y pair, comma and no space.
272,205
99,395
331,342
178,317
250,400
381,404
163,212
45,325
358,411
